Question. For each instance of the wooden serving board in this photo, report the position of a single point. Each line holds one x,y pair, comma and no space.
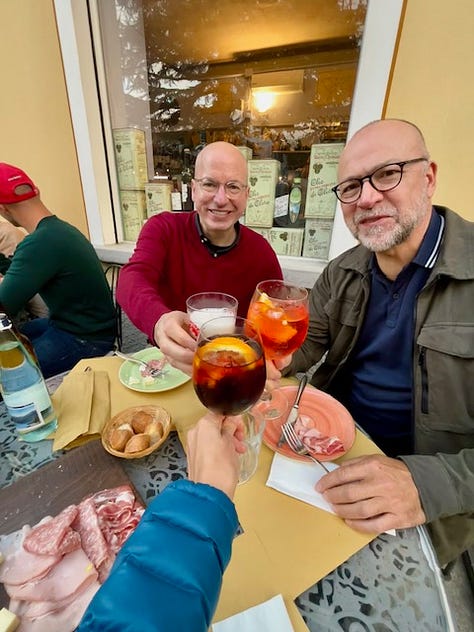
51,488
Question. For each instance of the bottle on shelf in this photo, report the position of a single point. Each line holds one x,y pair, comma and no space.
186,177
296,199
282,194
23,387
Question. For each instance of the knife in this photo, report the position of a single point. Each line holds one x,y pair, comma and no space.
293,414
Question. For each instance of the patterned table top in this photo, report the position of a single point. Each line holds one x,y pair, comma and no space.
391,585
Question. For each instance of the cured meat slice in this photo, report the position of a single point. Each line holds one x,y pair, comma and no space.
36,609
21,566
314,440
65,620
93,541
45,538
64,579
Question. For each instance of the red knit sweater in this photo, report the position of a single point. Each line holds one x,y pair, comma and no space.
170,263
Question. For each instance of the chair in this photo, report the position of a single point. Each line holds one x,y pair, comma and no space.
112,274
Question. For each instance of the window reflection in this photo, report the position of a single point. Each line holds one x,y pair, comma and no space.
274,77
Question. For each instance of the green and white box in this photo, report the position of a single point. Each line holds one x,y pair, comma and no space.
263,177
245,151
158,197
317,238
265,232
133,210
320,200
130,157
287,241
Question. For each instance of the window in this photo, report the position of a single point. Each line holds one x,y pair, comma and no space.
275,77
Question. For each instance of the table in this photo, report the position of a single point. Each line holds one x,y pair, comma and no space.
390,585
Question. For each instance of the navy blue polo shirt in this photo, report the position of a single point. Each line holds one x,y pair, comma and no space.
380,376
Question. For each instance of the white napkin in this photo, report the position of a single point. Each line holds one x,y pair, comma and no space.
268,616
297,479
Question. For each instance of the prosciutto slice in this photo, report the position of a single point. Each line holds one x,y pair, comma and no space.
314,440
21,566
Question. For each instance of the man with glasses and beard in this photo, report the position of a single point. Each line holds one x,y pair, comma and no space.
392,328
180,254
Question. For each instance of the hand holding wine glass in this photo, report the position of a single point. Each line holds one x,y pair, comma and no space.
229,377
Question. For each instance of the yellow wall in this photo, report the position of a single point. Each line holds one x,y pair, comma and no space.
35,123
433,87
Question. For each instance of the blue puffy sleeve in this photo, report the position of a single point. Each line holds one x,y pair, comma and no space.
167,576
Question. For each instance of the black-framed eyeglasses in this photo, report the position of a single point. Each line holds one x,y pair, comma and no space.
382,179
232,189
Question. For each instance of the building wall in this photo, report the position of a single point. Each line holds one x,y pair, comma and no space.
35,124
432,86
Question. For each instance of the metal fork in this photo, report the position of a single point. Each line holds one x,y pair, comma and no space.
153,372
298,446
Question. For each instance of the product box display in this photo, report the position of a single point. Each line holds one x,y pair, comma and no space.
130,156
320,200
263,177
265,232
317,238
287,241
133,211
158,197
245,151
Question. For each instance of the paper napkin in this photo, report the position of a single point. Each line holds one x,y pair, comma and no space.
82,405
268,616
297,479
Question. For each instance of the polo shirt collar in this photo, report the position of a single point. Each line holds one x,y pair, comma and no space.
216,251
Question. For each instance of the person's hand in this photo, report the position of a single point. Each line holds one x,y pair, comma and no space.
213,448
274,368
373,494
171,334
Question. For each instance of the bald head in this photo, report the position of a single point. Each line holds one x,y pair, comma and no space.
225,157
378,143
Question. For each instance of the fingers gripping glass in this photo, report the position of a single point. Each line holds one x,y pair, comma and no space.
232,189
382,179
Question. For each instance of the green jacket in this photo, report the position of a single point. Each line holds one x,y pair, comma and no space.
443,368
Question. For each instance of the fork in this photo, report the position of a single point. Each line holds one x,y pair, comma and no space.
153,372
298,446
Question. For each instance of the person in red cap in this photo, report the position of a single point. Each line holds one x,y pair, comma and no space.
57,262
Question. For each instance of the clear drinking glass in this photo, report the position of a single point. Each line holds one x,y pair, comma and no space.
208,305
229,377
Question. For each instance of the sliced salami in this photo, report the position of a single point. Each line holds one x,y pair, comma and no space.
46,537
93,541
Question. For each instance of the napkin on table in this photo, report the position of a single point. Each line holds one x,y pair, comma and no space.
82,405
297,479
268,616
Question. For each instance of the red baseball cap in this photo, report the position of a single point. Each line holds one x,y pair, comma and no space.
10,179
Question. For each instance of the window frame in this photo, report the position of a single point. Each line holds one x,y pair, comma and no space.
85,82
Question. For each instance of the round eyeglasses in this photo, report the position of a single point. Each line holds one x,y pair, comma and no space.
232,189
382,179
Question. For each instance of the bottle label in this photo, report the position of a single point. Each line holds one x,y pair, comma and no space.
30,408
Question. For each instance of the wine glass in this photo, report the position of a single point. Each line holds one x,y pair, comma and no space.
206,306
280,312
229,377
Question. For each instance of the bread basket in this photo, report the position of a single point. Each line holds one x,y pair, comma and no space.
127,418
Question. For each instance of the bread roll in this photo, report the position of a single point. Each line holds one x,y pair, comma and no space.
137,443
140,421
155,430
119,438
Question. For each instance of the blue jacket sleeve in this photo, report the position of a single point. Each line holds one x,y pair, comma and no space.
168,575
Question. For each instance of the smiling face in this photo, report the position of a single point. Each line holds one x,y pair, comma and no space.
222,163
384,220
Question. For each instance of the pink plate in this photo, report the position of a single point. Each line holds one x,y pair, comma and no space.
330,417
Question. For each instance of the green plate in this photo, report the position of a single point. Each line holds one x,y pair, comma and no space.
130,376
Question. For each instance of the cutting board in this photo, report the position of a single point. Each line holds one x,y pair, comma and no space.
51,488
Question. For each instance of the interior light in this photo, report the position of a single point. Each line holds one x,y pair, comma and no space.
263,100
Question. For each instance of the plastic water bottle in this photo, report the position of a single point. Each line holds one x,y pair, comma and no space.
23,387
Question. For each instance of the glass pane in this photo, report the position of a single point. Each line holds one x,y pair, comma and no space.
274,77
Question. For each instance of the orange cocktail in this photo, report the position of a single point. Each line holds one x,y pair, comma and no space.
279,311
